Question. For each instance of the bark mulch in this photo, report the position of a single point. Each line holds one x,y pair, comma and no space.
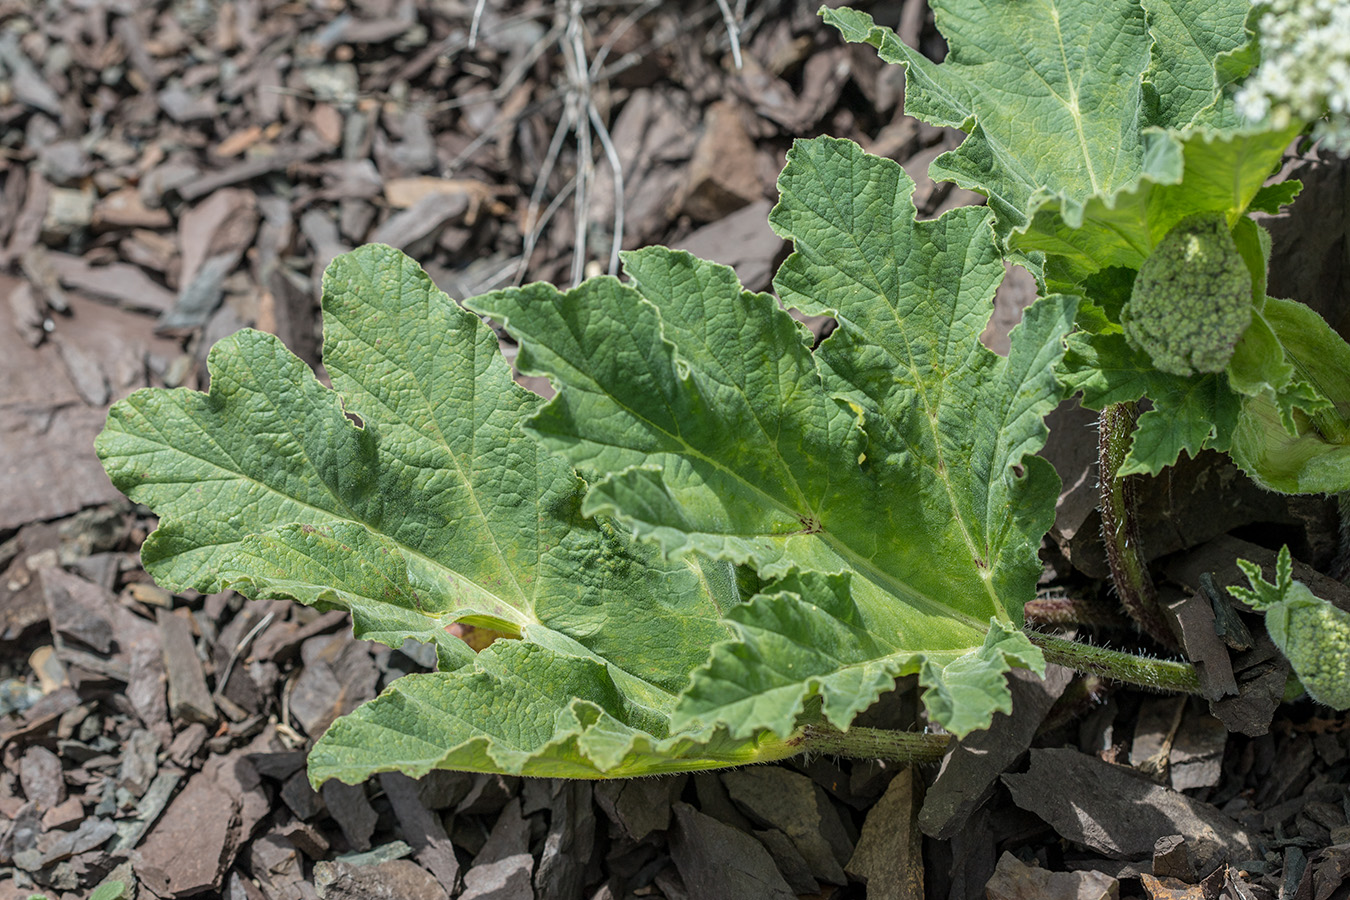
173,171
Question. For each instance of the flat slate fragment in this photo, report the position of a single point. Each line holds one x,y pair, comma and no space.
507,878
1116,812
395,879
348,805
421,827
569,842
192,846
717,862
189,697
971,769
889,855
799,808
1015,880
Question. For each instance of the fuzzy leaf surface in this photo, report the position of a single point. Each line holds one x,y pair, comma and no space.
1298,441
706,424
436,509
1087,79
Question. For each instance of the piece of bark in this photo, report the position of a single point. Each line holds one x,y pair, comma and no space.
1014,880
1115,811
189,697
889,855
717,862
971,768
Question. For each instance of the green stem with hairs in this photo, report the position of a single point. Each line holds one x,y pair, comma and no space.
1120,528
1155,674
874,743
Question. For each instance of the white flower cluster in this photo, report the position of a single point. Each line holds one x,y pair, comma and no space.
1305,68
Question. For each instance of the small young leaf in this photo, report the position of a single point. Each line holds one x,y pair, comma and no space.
1299,440
1312,634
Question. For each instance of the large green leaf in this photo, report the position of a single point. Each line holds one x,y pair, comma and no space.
890,525
436,509
888,494
1106,89
1190,40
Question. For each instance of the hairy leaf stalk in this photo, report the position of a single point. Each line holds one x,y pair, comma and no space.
874,743
1155,674
1120,526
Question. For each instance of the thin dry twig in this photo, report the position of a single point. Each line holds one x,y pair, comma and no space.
473,25
616,166
732,21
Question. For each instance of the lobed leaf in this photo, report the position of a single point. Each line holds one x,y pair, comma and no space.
436,509
706,423
1088,80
